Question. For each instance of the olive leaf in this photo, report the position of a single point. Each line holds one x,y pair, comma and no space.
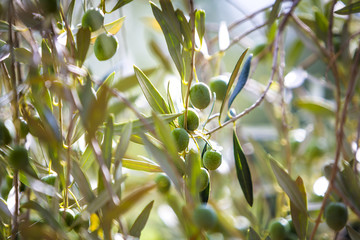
349,9
119,4
141,220
82,44
231,81
242,80
274,12
200,24
141,165
289,186
299,217
172,34
242,170
154,98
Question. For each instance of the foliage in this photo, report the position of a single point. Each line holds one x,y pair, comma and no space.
81,156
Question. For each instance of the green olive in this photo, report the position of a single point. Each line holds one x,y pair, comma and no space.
205,217
219,86
192,120
105,46
200,95
18,158
204,179
163,183
336,215
279,228
212,159
181,138
93,19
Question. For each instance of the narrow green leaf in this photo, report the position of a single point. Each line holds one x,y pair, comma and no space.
131,81
171,18
185,29
82,44
242,80
193,165
288,185
5,214
109,28
300,218
274,12
349,9
242,170
166,164
317,106
141,165
70,11
107,142
322,24
253,235
354,235
121,149
128,202
82,182
172,39
231,81
119,4
138,125
141,220
152,95
164,133
200,23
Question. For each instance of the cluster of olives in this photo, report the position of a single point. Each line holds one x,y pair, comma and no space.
336,216
200,96
200,93
105,44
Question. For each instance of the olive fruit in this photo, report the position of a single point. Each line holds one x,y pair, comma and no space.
50,179
163,183
219,85
105,46
336,215
93,19
69,216
279,228
204,178
192,121
18,158
212,159
205,217
181,138
5,137
200,95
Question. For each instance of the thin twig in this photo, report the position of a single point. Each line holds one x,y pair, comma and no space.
274,69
